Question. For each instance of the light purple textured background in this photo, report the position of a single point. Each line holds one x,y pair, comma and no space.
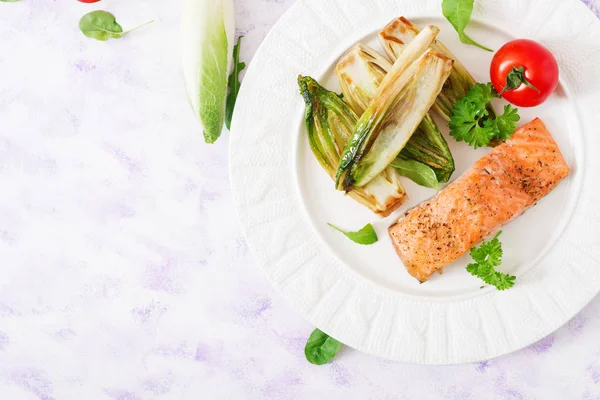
123,272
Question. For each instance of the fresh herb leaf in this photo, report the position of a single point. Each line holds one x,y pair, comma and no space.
467,123
482,93
321,348
458,13
488,256
233,83
102,25
507,122
421,174
366,235
471,120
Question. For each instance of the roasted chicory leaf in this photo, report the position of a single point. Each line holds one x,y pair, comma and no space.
329,123
398,34
360,72
400,104
388,115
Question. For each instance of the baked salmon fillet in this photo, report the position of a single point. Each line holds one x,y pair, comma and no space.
497,189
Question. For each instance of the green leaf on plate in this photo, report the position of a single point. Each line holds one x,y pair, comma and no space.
458,13
366,235
420,173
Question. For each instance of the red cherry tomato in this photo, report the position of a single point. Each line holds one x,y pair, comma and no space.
524,72
89,1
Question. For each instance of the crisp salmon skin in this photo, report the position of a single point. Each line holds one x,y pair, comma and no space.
498,188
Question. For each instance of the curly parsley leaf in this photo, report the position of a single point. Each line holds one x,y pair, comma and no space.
507,122
468,124
471,120
488,256
481,93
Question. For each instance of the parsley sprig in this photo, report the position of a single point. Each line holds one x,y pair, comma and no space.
488,256
471,121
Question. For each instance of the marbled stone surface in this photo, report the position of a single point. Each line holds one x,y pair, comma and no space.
123,271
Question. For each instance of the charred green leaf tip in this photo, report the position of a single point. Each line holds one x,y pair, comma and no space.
303,85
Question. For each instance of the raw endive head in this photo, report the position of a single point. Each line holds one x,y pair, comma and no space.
207,30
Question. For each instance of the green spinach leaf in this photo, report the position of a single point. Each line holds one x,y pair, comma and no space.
102,25
421,174
233,83
458,13
321,348
366,235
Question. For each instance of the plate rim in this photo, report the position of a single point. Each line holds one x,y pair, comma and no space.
433,351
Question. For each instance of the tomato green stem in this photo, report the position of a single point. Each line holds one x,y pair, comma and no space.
515,78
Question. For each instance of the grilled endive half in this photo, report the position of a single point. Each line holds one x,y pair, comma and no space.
329,123
394,39
401,101
360,72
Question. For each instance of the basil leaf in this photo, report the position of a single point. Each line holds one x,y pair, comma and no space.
102,25
321,348
366,235
458,13
419,173
233,83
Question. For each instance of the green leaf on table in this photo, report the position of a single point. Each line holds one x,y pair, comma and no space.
366,235
233,83
458,13
102,25
321,348
420,173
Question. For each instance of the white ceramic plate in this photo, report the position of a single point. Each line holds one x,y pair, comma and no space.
362,295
